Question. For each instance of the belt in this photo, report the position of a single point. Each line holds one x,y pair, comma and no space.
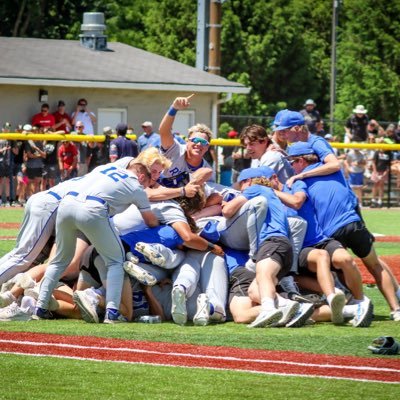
54,194
98,199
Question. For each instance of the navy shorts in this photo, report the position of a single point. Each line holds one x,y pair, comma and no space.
356,237
356,179
279,249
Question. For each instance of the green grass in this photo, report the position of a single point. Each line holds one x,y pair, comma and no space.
383,221
49,378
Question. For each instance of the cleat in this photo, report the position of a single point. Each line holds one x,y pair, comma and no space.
87,305
130,257
178,309
42,313
302,316
14,313
140,274
364,314
288,312
395,315
34,292
202,317
152,255
337,304
266,319
114,317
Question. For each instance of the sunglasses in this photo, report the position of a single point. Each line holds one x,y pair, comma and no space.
82,104
79,127
199,140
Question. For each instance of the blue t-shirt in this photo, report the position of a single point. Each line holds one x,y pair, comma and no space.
321,147
314,233
332,200
235,258
275,223
145,142
163,234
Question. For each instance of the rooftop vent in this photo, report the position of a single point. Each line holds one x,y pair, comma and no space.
93,27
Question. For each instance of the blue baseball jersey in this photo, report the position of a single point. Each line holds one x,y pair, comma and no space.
314,233
275,223
332,200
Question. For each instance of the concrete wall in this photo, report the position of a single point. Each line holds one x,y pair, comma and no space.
19,103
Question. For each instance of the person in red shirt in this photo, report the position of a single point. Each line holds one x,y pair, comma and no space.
62,119
68,160
43,119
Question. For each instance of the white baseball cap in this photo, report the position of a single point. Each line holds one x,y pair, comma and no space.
360,109
147,123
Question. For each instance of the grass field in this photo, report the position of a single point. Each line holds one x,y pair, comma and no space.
49,378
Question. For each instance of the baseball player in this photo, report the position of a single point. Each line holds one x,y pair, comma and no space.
107,190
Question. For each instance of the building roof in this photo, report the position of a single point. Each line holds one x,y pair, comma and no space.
66,63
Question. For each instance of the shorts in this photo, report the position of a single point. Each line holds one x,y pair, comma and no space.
4,171
50,171
88,266
330,245
279,249
356,237
16,169
239,282
356,179
33,173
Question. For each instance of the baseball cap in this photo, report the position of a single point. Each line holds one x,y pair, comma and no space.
328,136
147,123
289,119
61,103
258,172
300,149
107,130
121,127
309,102
27,127
278,117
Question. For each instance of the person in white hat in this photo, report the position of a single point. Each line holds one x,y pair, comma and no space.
311,116
356,125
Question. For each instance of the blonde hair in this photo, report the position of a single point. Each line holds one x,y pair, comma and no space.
201,128
261,181
150,156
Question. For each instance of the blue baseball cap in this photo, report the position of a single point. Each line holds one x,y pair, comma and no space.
289,119
300,149
250,173
278,117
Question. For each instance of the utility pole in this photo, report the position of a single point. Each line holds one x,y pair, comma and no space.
332,102
214,47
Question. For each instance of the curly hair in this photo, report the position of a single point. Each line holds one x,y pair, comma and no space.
190,205
150,156
261,181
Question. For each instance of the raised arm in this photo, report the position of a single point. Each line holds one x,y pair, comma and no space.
165,129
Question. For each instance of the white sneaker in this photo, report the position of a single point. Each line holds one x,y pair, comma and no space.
130,257
178,309
288,312
144,277
14,313
34,292
266,318
337,303
202,317
87,304
395,315
6,299
364,314
302,316
151,254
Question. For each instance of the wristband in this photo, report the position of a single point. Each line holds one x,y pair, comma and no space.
172,111
210,246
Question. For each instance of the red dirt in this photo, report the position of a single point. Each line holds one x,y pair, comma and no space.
9,225
250,360
392,261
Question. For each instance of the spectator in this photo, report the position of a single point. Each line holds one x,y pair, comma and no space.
98,153
67,160
34,155
82,150
50,168
355,166
356,125
380,171
373,127
329,138
5,155
62,119
311,116
43,119
122,146
83,114
149,138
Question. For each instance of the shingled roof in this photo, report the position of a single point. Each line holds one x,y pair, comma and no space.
51,62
